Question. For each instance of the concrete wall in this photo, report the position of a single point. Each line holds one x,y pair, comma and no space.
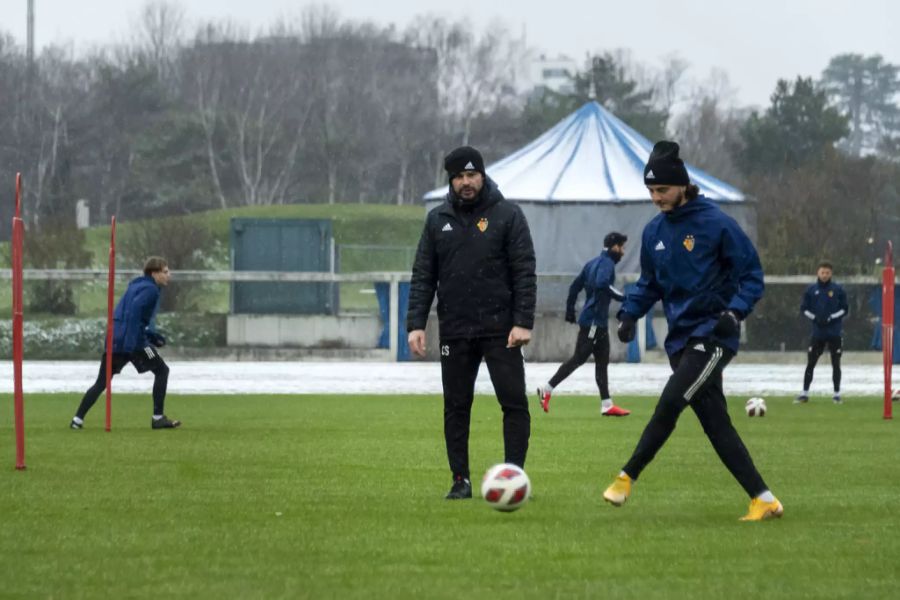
553,340
300,331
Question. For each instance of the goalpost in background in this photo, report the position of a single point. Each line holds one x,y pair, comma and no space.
887,326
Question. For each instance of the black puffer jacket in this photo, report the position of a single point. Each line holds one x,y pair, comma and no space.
479,258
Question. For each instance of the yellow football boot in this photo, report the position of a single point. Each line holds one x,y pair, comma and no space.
617,493
761,510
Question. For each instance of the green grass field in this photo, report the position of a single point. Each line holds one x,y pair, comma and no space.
342,497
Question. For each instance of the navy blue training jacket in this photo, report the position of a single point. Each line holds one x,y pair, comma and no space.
596,279
134,314
825,304
699,262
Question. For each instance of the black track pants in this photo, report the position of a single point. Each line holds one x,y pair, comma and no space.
584,347
460,360
157,366
697,382
815,350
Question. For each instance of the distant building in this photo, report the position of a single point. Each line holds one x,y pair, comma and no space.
556,74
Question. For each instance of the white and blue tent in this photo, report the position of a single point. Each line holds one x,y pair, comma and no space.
584,178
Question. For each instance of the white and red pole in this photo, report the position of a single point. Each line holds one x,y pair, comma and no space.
18,237
110,300
887,325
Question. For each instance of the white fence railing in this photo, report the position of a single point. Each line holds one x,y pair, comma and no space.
394,278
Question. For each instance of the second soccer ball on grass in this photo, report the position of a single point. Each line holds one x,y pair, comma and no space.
756,407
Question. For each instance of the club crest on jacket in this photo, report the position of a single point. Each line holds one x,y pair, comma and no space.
689,243
482,224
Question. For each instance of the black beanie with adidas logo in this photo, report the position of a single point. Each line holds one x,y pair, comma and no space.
664,167
464,158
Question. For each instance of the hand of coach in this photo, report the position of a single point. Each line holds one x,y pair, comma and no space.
416,340
518,336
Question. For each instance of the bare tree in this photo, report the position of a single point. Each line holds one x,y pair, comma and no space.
405,91
160,34
127,101
669,82
49,154
709,127
475,73
253,103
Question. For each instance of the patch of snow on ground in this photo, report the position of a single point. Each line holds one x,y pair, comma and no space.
195,377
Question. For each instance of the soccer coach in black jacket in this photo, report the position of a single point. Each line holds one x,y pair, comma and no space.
476,253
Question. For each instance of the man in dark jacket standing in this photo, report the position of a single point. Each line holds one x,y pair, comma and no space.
596,279
825,304
476,253
699,262
135,341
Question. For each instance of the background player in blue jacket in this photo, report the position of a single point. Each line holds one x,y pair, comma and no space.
825,304
135,341
704,268
596,279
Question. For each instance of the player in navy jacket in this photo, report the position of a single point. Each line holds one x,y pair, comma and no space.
825,305
704,269
136,341
597,279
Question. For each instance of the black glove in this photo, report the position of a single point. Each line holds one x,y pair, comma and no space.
626,328
157,339
727,326
570,317
821,321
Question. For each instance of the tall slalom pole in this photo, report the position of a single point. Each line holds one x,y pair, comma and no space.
18,237
110,299
887,325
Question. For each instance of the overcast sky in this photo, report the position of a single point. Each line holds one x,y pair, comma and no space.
755,42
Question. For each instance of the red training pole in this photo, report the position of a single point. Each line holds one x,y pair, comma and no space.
18,236
887,325
110,299
18,195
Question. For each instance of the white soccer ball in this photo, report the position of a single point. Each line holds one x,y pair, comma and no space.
506,487
756,407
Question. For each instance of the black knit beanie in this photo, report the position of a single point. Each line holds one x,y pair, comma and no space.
464,158
664,167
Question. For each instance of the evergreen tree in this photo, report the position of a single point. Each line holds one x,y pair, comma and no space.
798,128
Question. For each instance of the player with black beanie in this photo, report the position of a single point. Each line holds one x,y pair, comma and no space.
704,268
476,254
